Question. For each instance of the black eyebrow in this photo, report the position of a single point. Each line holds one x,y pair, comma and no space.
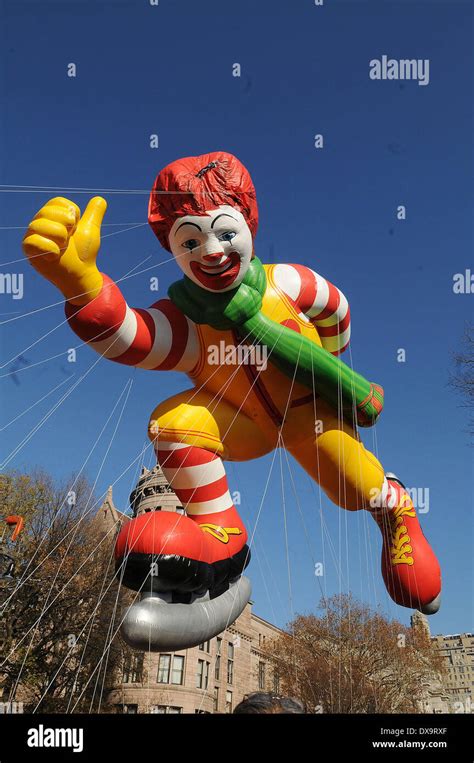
180,226
223,214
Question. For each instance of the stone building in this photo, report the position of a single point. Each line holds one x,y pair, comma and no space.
211,678
458,653
435,696
455,693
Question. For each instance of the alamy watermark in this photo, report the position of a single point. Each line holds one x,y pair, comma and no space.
12,283
42,736
223,354
463,283
420,497
417,69
11,708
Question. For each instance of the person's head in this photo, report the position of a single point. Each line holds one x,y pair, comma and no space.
203,209
266,703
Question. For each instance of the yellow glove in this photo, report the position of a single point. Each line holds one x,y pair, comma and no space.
63,246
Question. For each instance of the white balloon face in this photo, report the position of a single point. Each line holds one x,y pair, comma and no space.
215,250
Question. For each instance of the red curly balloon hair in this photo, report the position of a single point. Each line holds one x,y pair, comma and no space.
196,184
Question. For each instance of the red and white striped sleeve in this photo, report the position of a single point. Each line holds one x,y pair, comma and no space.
322,302
158,338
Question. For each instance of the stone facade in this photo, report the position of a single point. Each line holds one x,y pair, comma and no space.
454,693
435,696
153,493
211,678
458,653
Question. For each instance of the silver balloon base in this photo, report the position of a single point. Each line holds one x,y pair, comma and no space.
156,624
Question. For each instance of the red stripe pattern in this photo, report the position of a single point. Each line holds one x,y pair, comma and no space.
320,301
157,338
196,475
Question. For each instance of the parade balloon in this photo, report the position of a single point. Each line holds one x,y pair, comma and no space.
157,624
295,393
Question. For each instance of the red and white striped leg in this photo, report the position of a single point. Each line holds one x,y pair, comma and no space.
203,550
198,478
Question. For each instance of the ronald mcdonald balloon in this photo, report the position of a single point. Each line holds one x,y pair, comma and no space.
189,568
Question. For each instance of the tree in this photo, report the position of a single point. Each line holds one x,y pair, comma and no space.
351,659
61,610
463,378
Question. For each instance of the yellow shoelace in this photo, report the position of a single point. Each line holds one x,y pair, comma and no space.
401,543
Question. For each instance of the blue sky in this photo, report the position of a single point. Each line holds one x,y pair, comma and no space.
167,70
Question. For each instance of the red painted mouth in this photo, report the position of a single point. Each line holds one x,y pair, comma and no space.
228,272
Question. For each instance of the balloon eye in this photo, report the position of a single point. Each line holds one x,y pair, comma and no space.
192,243
227,236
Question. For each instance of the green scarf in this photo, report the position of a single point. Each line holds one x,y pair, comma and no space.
316,368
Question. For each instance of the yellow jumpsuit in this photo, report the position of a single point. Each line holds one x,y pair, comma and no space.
240,414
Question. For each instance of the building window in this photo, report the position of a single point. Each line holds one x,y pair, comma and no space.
130,709
228,701
202,675
216,699
166,709
217,666
202,712
178,669
164,669
171,669
133,669
230,663
206,647
261,675
276,681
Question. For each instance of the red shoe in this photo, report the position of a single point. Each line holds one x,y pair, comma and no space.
166,551
410,569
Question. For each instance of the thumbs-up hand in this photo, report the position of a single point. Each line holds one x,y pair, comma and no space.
63,246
